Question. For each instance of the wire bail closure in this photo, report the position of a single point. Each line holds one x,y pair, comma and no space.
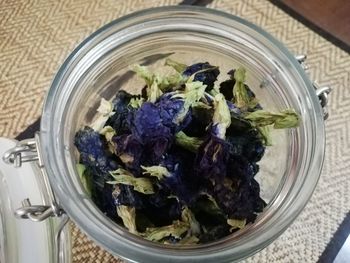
321,92
29,151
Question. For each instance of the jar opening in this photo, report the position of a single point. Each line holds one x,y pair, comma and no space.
100,66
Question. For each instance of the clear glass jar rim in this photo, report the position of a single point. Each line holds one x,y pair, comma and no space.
52,146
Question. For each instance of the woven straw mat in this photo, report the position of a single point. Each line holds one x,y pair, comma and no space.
37,35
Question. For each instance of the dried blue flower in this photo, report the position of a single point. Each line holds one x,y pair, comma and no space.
239,126
203,72
158,209
226,88
147,123
101,194
201,119
214,233
161,209
249,146
130,151
94,152
118,121
173,178
238,167
212,158
126,195
170,108
243,202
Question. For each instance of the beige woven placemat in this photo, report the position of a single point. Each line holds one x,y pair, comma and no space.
36,36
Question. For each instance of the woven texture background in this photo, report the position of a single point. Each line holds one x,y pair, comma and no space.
36,36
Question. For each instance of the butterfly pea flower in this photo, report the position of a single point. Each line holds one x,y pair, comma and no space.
94,152
129,150
202,72
173,178
120,103
153,125
213,154
244,203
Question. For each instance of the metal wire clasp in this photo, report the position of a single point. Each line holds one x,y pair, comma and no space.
321,92
15,155
29,151
35,213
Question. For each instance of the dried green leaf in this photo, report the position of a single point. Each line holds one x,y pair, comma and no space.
140,184
222,115
105,110
144,73
80,169
264,132
214,91
194,91
240,92
173,80
154,92
136,102
213,205
189,143
188,217
108,132
202,105
157,171
85,178
179,67
285,119
236,223
152,81
158,233
157,84
191,240
128,215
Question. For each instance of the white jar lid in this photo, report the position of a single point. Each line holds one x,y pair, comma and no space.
21,240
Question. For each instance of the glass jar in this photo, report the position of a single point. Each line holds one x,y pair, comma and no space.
99,67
